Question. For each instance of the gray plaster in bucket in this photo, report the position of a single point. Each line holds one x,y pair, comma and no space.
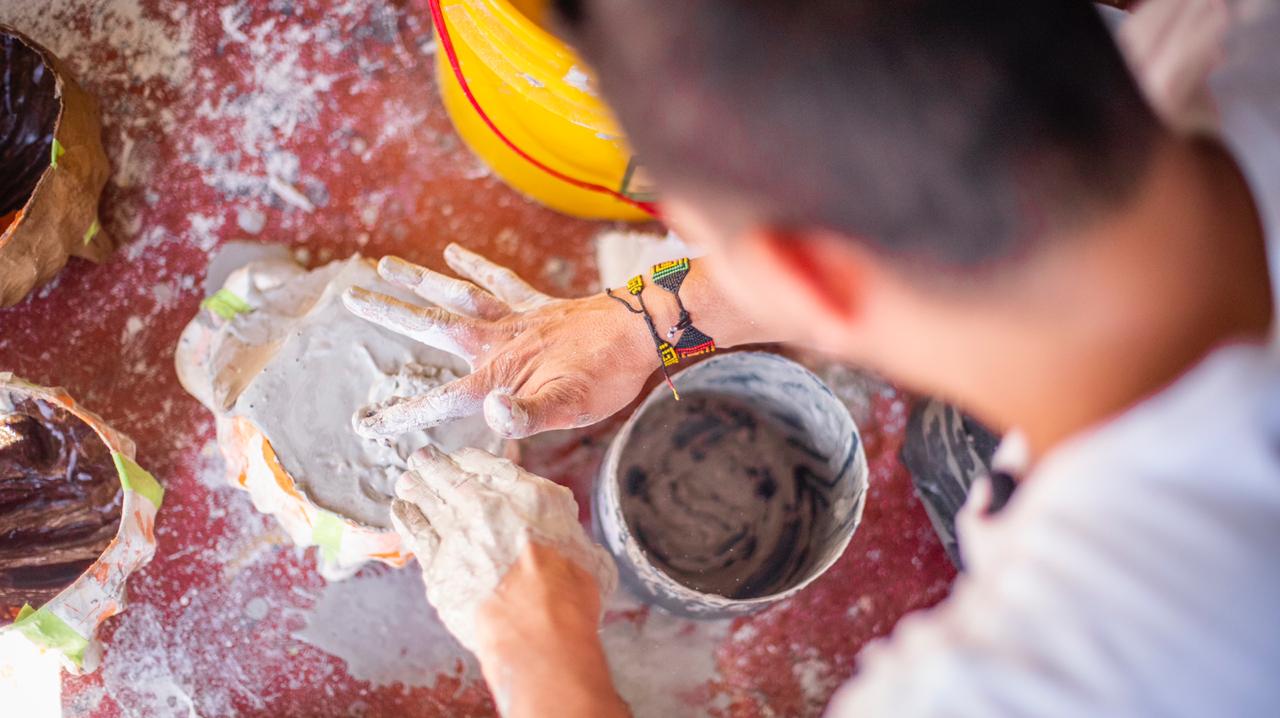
736,497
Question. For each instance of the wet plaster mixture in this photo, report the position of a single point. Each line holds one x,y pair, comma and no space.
300,366
722,497
316,126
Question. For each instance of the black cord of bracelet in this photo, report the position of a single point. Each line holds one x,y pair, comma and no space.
684,322
653,332
648,318
623,302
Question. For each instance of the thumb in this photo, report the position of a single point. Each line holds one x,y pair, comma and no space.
558,404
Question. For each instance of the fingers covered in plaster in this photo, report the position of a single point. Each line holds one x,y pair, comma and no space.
501,470
437,328
469,516
431,466
504,283
459,490
415,529
413,488
449,402
455,295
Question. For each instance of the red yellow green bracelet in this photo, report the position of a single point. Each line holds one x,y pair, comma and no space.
692,342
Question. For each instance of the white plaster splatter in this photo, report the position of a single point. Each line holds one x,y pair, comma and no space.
250,219
579,80
204,230
660,662
159,662
816,678
282,94
380,624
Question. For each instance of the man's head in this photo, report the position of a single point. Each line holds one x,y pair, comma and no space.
927,130
890,177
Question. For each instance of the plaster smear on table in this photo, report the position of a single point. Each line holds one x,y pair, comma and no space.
621,255
662,665
380,624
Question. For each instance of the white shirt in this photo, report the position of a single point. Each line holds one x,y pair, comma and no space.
1136,572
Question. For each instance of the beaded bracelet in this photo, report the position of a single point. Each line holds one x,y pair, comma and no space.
692,342
666,353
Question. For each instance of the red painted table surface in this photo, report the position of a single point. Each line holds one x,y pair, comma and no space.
317,125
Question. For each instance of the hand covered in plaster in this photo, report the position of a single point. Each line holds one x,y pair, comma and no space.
470,517
538,362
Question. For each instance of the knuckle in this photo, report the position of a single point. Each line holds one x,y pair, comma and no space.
572,389
504,365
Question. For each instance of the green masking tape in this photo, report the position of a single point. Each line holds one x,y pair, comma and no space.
327,534
91,232
137,479
56,152
226,304
45,629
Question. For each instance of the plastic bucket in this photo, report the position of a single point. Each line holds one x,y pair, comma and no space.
719,536
539,93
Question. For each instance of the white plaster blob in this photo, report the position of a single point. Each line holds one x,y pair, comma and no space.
816,678
250,219
331,365
231,256
380,624
579,80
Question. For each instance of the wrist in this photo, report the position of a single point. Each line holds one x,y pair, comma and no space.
538,642
574,680
545,605
635,341
663,308
528,635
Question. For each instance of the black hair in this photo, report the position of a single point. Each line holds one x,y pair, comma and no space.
938,129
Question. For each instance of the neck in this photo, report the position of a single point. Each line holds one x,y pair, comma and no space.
1115,315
